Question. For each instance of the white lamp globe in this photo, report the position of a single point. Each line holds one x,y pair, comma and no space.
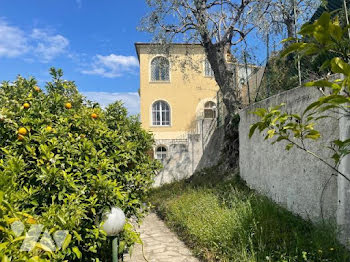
115,222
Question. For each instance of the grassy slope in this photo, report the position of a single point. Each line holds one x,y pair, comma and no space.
226,221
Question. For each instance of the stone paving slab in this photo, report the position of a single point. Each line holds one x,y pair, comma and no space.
160,244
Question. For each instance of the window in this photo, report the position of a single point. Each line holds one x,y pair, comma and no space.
209,110
161,153
160,113
207,69
160,69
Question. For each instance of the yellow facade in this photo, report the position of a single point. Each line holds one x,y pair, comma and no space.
186,91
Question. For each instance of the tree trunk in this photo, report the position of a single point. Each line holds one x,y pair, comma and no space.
225,76
231,143
290,27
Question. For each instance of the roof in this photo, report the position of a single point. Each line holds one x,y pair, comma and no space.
139,44
331,6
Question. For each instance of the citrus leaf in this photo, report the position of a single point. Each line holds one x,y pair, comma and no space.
77,252
313,134
289,146
66,241
252,129
339,66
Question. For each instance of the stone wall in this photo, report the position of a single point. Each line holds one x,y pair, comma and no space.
176,167
212,153
186,156
294,179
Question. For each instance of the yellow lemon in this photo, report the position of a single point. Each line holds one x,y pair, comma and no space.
22,131
26,105
68,105
31,221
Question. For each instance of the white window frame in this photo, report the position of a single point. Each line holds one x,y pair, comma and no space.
151,67
161,155
212,108
167,111
208,72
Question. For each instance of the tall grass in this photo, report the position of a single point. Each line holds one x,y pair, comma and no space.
226,221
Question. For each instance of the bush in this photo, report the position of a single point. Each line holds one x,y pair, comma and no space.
65,161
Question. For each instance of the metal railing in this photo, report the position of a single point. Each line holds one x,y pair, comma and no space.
172,141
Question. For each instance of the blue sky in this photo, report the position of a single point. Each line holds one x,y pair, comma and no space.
92,41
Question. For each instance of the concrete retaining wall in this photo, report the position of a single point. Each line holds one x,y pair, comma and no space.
292,178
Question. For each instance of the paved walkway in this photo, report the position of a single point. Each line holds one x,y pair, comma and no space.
160,244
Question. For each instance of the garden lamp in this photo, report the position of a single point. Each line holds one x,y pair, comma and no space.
113,226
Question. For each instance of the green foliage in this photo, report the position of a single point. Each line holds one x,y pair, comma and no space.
285,126
229,222
324,35
280,74
11,243
320,43
71,164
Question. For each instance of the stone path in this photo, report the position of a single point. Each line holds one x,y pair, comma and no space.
160,244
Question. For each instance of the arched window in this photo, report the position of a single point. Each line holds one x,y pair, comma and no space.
209,110
160,69
207,69
161,152
160,113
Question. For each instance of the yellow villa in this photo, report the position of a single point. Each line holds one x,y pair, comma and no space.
179,104
171,101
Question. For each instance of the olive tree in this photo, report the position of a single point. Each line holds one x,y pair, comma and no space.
283,16
218,25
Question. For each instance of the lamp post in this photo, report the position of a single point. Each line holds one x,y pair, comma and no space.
113,225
